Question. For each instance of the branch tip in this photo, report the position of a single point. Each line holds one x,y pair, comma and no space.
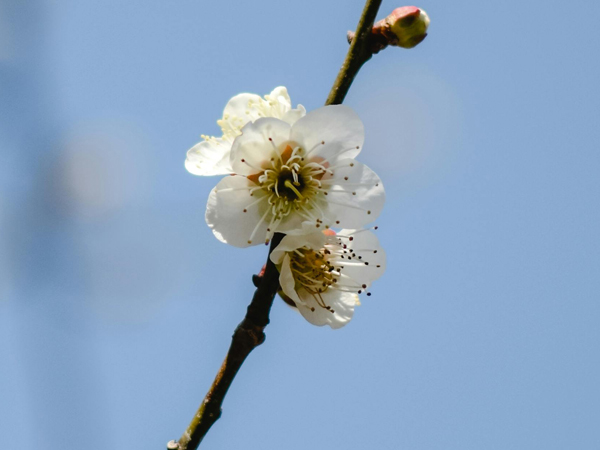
405,27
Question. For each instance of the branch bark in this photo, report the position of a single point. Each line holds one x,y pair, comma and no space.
249,334
360,52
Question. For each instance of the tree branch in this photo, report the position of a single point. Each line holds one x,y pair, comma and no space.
249,334
360,52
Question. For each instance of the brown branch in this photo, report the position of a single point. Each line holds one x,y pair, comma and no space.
249,334
359,53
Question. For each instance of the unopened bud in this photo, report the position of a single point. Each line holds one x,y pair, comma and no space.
405,27
409,25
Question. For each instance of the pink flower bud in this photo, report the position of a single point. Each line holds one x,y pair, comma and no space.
408,24
405,27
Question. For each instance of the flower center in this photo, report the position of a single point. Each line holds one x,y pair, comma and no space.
313,272
291,184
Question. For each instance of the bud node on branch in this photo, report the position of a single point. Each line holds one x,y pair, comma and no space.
405,27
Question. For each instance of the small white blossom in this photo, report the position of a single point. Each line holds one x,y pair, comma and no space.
290,176
323,273
211,156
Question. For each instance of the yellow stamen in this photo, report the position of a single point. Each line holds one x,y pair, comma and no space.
288,184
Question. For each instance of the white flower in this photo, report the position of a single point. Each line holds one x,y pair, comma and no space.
323,273
211,156
291,176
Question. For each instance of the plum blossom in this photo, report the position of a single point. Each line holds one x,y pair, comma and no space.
290,177
322,273
211,155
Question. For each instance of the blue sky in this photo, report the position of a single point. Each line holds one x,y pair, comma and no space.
117,304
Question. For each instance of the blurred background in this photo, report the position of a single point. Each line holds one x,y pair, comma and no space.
117,304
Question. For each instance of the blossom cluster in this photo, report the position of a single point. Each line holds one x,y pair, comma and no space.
295,173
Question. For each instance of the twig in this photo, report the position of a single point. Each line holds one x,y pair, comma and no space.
249,334
360,52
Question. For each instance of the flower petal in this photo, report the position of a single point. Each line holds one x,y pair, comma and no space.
369,258
280,94
238,106
338,126
287,281
355,194
225,212
209,157
342,304
293,115
252,151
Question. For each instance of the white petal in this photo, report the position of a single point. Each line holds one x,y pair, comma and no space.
337,125
290,243
254,146
280,94
342,303
225,212
293,115
355,194
294,224
238,106
287,282
369,262
209,158
287,114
